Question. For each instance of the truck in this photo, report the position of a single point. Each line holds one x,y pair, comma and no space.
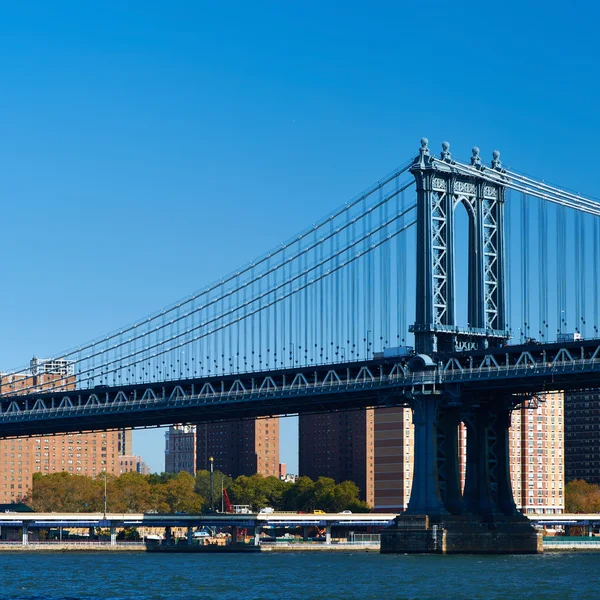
568,337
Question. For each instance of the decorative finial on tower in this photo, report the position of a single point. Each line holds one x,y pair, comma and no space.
424,156
445,154
496,162
476,159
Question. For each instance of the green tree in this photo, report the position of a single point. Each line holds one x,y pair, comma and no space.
202,486
300,496
258,491
179,494
131,492
156,478
63,492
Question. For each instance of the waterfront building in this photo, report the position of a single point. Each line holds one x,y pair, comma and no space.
393,458
77,453
125,442
180,449
133,464
239,447
537,456
582,435
339,445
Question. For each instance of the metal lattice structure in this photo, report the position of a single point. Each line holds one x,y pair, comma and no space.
441,187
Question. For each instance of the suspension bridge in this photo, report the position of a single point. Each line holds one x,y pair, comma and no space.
395,298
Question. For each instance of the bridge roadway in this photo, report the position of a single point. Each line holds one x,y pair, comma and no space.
461,378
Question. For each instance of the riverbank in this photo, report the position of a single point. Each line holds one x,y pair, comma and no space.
549,547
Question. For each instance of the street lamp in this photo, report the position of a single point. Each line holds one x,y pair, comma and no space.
212,483
105,475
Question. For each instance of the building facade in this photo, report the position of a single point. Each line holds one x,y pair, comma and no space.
582,435
393,457
239,447
180,449
537,456
339,445
126,442
133,464
77,453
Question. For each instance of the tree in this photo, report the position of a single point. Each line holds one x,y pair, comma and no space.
202,486
63,492
179,494
300,496
582,497
131,492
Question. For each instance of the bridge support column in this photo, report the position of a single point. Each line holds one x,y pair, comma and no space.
168,536
113,535
425,494
190,535
257,536
478,496
504,494
448,461
439,519
25,534
328,534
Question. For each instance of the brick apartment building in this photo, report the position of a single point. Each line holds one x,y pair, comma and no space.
239,447
77,453
582,435
339,445
374,448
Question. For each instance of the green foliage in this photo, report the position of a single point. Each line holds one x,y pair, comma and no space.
303,496
202,487
181,492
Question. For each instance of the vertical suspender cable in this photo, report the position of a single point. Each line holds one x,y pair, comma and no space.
577,271
596,266
543,269
582,252
524,269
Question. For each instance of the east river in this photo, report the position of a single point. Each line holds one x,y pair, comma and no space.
42,576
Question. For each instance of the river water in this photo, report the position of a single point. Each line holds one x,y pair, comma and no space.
43,576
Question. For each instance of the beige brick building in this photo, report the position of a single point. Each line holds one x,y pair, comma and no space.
77,453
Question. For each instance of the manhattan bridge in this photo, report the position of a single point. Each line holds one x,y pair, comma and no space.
374,305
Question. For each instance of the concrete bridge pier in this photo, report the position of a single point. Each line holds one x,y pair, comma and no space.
440,518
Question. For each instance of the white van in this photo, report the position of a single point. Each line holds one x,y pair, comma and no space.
267,510
200,534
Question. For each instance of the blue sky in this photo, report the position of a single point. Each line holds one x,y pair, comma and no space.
146,148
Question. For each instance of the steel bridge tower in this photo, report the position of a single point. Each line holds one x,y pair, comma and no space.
441,187
441,516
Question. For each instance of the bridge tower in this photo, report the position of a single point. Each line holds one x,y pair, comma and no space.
441,186
440,516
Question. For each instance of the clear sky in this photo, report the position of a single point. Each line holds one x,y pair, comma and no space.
147,148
